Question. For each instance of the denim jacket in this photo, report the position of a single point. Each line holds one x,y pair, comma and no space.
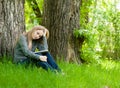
22,52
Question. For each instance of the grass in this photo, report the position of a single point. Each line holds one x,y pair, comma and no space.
103,75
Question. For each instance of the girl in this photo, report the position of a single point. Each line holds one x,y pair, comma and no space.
24,51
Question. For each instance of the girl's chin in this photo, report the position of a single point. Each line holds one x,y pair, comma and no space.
35,38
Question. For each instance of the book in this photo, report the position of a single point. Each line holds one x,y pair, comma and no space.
42,51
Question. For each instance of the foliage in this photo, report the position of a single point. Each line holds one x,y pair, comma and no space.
30,17
99,24
106,74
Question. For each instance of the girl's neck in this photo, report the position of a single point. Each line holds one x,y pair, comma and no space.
29,35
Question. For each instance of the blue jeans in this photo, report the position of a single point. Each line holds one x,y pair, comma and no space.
50,64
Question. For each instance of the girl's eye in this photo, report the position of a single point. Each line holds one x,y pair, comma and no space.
38,33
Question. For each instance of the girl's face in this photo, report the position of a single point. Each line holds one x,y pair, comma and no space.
37,34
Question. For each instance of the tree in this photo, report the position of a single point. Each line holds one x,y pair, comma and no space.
62,17
11,24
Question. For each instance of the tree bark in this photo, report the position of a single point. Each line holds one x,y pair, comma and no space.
11,24
62,17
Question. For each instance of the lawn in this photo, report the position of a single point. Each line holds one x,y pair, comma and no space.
103,75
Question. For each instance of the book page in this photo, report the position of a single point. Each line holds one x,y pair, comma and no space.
42,51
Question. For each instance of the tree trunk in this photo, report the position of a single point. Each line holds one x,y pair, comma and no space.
11,24
62,17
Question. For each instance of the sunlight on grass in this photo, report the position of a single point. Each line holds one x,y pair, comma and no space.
109,64
101,75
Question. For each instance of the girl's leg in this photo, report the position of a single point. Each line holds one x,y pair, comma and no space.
38,63
51,61
50,64
44,65
25,62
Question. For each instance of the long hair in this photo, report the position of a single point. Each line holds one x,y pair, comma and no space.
29,35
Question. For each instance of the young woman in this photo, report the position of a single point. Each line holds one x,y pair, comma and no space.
24,51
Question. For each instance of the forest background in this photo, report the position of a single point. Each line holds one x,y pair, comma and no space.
94,60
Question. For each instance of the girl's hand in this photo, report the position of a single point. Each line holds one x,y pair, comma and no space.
44,32
43,58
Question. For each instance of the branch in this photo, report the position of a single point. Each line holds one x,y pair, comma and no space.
35,8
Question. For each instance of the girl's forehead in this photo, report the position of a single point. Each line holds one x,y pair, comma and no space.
39,30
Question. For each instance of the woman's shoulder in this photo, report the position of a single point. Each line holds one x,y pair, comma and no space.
22,36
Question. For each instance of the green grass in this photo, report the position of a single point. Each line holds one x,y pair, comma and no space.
104,75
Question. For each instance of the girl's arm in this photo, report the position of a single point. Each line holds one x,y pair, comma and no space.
43,45
24,48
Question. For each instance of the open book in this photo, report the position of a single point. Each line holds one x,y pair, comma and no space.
42,51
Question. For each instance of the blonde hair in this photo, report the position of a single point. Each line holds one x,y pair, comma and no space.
29,34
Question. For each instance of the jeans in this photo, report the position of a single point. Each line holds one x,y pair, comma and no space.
50,64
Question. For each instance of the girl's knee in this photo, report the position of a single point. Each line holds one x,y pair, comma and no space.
44,65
